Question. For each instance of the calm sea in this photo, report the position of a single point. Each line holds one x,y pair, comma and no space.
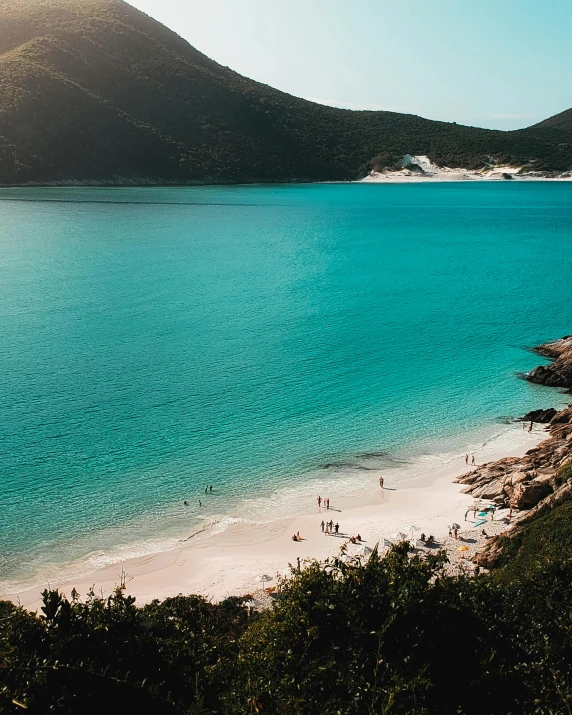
258,339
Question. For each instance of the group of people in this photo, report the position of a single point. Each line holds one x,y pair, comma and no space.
297,537
355,539
486,510
529,427
325,502
329,527
472,459
208,490
453,531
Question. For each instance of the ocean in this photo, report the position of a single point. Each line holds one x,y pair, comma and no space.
269,341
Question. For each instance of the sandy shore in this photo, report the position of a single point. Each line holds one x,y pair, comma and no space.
226,564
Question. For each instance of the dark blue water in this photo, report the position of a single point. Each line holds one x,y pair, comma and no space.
153,341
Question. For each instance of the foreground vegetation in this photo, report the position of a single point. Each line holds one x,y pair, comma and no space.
93,90
394,635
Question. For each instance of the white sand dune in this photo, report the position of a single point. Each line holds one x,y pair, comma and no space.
421,169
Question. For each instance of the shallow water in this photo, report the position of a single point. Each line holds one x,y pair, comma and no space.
154,341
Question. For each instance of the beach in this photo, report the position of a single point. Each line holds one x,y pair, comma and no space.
421,494
420,169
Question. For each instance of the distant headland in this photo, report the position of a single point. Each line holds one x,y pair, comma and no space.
95,92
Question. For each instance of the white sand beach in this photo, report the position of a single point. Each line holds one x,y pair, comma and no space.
227,563
419,169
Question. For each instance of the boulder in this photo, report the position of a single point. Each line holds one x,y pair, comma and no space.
541,416
527,494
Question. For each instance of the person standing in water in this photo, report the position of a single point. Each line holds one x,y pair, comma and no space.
319,502
530,428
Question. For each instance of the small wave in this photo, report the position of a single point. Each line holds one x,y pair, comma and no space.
216,524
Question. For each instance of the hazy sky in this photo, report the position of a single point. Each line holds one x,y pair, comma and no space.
490,63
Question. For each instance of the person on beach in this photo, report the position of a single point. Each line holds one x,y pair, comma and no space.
510,514
466,458
381,482
337,527
473,459
319,502
327,503
322,525
74,594
530,428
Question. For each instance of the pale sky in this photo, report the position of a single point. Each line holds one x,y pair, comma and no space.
492,63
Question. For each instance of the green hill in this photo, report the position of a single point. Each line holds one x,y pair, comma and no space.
94,90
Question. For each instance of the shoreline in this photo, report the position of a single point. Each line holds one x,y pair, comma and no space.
452,176
222,564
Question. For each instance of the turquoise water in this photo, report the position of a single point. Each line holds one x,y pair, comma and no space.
154,341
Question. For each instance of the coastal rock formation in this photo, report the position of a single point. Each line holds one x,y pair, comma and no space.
528,494
541,416
559,373
523,482
491,553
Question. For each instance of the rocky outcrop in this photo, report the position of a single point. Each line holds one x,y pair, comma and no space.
559,373
528,494
490,555
522,482
541,416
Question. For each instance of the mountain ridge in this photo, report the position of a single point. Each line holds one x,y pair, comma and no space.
99,92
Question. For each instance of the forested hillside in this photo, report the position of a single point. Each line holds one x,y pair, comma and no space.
94,90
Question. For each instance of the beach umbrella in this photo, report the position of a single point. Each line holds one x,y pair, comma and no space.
263,578
463,548
386,543
363,550
399,536
453,526
412,528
